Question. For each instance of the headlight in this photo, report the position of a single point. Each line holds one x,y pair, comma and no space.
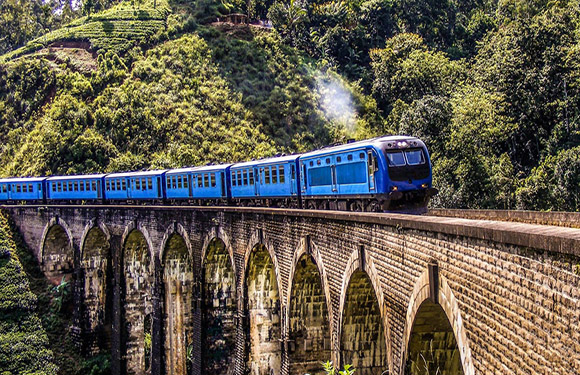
394,188
425,186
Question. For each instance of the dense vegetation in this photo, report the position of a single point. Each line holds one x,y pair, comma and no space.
493,87
23,340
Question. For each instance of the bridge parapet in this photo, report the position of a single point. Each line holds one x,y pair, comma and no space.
492,297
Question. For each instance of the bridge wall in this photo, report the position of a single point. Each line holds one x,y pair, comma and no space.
510,292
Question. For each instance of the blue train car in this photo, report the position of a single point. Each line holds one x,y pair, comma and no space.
22,189
273,179
145,185
75,188
198,183
371,175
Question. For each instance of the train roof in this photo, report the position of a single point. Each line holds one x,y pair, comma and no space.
376,142
17,180
275,160
137,174
205,168
76,177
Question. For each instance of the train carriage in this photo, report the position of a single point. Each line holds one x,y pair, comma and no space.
199,183
273,180
146,185
379,174
22,189
75,188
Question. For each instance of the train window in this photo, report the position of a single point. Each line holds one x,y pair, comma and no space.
3,188
206,180
212,177
70,186
150,183
123,184
25,188
185,182
349,157
18,188
82,186
118,184
251,177
234,178
59,187
293,171
281,174
108,185
245,173
64,186
31,188
53,187
338,159
318,162
199,180
320,176
327,160
239,173
138,184
179,182
361,155
267,175
311,163
94,185
274,175
414,157
395,158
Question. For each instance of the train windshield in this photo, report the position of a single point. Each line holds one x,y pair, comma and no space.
396,158
406,165
414,157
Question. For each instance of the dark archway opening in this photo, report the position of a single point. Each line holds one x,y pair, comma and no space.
309,344
57,256
219,310
262,311
97,293
362,338
138,289
178,305
432,345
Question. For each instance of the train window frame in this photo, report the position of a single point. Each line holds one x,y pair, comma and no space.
390,162
4,189
318,162
185,181
338,159
266,175
274,174
362,155
233,178
293,172
150,183
206,180
349,157
24,188
251,176
245,177
327,160
64,187
94,185
70,186
311,163
239,177
53,187
123,184
108,185
118,183
199,178
82,186
18,188
212,180
281,174
180,182
423,159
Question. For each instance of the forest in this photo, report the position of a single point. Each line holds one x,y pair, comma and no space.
492,87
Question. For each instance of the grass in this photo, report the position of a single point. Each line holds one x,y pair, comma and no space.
116,29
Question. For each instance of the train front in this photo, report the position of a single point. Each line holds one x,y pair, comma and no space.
408,175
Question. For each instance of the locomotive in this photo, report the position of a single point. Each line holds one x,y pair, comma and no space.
389,173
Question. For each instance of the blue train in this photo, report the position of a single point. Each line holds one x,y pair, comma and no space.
390,173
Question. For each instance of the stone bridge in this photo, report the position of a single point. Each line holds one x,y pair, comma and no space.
192,290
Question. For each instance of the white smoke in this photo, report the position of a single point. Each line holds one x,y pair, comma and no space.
336,101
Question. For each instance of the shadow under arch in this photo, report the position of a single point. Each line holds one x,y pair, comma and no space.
435,327
97,274
219,308
57,254
178,288
262,313
137,285
308,316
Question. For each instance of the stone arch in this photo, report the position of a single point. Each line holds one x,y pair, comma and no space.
218,233
178,229
308,318
139,281
178,287
219,308
447,308
97,274
363,331
262,312
57,254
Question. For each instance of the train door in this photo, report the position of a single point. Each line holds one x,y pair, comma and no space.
191,181
99,191
257,181
223,184
159,194
130,187
303,179
372,167
333,175
293,179
9,192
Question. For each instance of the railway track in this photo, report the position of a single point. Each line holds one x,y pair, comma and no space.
560,219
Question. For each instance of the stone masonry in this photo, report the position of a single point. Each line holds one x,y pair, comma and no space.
278,291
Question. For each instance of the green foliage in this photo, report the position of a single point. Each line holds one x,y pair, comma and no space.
329,369
23,341
97,365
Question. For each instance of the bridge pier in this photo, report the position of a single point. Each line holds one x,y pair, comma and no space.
290,288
